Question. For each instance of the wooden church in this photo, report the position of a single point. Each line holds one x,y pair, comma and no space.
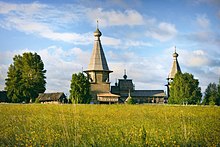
98,74
174,69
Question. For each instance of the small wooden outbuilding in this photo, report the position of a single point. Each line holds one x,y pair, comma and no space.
53,98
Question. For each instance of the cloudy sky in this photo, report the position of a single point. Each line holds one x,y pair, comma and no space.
138,36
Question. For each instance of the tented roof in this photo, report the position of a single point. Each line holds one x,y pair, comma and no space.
98,61
175,67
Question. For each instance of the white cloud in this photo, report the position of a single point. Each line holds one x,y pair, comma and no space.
123,43
196,58
199,52
201,64
80,56
197,61
115,18
3,75
20,8
163,32
31,19
61,64
204,34
110,41
40,12
202,21
44,30
133,43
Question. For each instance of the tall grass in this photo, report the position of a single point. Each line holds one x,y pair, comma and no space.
108,125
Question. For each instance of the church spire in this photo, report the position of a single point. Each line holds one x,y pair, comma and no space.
175,66
98,61
98,72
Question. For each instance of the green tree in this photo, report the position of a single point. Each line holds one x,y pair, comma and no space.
184,89
26,78
211,94
80,89
218,99
130,100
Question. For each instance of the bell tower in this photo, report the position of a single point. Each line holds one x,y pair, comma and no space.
174,69
98,71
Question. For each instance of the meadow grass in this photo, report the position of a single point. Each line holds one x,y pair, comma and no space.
108,125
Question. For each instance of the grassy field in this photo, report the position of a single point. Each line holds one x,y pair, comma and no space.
108,125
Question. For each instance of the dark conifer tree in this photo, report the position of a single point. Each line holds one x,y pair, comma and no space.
26,78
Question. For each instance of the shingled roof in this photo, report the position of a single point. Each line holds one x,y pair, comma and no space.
148,93
175,66
98,61
51,96
107,94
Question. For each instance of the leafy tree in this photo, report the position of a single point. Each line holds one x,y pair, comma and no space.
184,89
26,78
80,89
211,94
218,99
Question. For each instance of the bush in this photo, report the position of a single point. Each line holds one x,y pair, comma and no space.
130,100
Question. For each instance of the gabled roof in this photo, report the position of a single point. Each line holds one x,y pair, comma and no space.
175,66
98,61
146,93
153,93
51,96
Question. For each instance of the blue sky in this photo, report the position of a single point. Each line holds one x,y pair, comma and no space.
138,36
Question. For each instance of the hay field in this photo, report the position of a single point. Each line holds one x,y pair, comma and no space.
108,125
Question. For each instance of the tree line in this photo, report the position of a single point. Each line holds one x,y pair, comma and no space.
26,79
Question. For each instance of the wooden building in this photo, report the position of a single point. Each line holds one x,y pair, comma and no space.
125,88
174,69
52,98
98,73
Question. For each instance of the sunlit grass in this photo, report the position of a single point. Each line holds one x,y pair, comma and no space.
109,125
